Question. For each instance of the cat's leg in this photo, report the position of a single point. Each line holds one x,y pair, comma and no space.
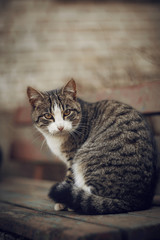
69,175
56,190
59,186
57,206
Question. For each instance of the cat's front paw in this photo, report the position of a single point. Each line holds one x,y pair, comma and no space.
53,191
58,192
59,207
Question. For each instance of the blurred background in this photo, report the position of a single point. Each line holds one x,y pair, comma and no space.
111,49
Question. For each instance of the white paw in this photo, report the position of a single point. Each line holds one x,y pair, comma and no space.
59,206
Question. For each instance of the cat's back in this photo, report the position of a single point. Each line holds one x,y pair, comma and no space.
114,116
119,130
119,149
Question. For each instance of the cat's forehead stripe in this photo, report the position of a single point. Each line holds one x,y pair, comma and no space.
55,100
52,101
59,101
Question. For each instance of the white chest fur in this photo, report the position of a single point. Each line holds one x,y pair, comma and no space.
79,179
55,143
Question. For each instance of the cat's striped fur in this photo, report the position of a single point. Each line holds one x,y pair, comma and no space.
109,151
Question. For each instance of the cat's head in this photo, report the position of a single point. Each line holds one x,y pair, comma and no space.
55,112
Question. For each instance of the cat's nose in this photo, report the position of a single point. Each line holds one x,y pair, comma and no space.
60,128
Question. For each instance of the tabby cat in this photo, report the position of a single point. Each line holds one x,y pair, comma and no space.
108,149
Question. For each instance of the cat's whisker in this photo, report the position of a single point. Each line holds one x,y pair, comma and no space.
44,141
36,139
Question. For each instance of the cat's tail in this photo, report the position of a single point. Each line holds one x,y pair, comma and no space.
85,202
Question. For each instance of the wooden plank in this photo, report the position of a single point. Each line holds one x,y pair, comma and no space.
37,225
135,225
27,182
153,212
27,193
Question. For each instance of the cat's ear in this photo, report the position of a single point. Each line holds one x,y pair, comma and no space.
34,96
70,89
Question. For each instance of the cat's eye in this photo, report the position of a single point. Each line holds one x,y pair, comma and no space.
67,112
48,116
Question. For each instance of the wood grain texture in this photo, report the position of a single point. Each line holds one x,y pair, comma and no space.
38,225
26,210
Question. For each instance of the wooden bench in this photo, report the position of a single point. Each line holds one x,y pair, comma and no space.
27,213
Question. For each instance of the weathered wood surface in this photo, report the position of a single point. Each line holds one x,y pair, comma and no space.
25,210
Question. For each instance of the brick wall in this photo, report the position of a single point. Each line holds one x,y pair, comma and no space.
44,43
